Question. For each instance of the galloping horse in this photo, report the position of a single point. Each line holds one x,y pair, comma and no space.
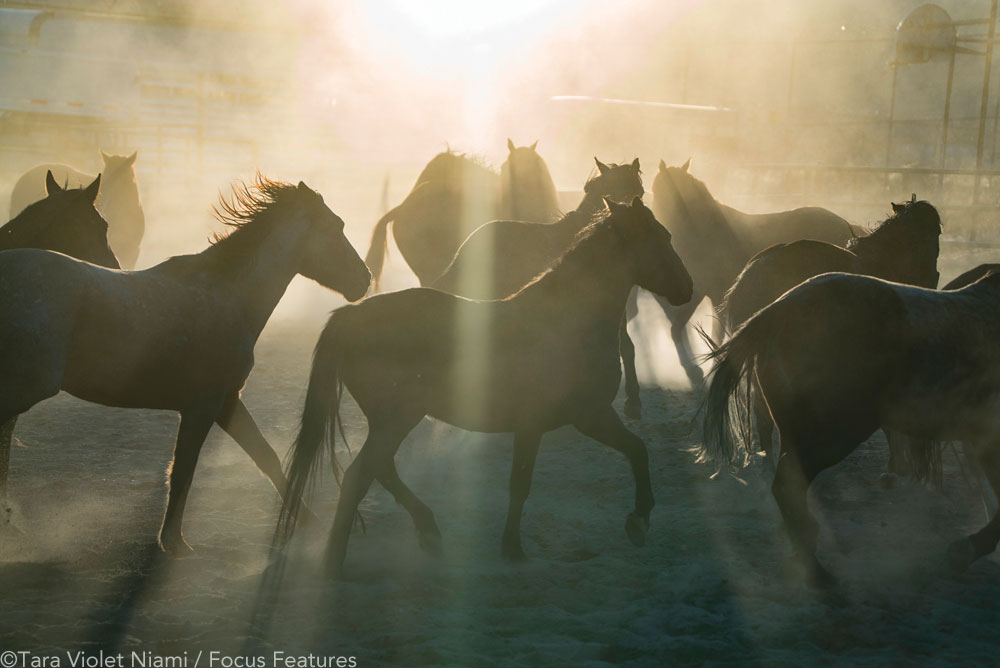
841,355
451,198
716,241
64,221
903,248
544,357
501,257
178,336
118,200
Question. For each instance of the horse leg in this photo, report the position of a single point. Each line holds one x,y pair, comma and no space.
605,427
6,440
797,468
963,552
428,534
373,460
765,423
237,421
633,404
191,434
679,316
523,465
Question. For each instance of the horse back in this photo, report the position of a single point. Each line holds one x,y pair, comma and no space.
764,230
30,188
500,258
776,270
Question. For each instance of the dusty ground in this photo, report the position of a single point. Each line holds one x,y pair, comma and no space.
713,584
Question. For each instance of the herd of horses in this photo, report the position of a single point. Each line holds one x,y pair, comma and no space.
824,330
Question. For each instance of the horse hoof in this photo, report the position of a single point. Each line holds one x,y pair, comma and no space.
430,543
176,548
512,552
961,554
636,528
308,518
887,480
818,577
633,409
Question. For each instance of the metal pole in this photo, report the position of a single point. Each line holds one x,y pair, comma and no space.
947,111
944,125
984,102
892,113
791,77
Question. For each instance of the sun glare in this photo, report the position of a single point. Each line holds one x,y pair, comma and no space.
443,33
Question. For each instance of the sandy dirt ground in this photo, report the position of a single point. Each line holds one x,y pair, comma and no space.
713,585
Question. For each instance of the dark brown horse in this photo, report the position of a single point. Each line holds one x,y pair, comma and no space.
178,336
118,199
841,355
454,195
544,357
904,248
65,221
716,241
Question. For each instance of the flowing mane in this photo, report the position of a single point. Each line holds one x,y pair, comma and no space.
249,216
581,257
899,227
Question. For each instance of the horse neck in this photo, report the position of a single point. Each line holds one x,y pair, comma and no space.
259,275
591,203
533,199
588,286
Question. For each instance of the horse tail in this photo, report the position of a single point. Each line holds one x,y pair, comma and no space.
727,428
320,415
379,246
918,458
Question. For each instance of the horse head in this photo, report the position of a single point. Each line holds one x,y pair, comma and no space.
528,192
65,221
328,257
648,245
904,248
618,182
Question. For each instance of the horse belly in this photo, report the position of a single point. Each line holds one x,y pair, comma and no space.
539,392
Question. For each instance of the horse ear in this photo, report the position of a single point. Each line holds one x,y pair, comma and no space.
303,186
535,145
663,165
104,156
635,164
612,205
129,161
636,202
898,208
50,183
91,190
510,145
601,167
686,167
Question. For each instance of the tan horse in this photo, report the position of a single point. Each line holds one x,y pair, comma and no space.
451,198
